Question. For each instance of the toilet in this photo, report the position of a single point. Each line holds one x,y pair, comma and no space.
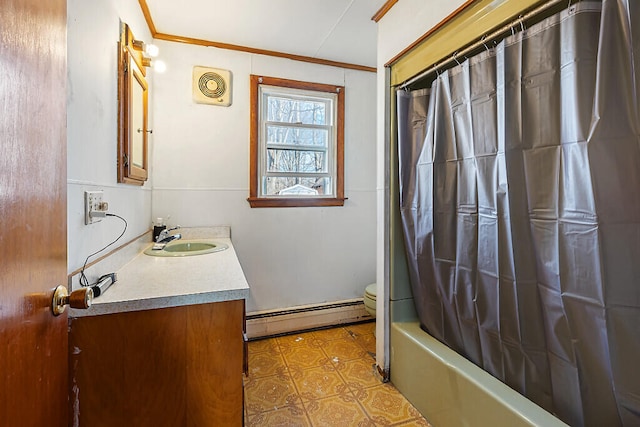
370,299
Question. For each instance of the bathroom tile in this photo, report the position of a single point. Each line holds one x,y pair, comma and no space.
386,406
322,378
303,357
270,393
284,417
316,341
344,350
296,372
264,346
334,412
333,364
297,340
360,372
265,364
416,422
361,328
333,334
318,383
368,343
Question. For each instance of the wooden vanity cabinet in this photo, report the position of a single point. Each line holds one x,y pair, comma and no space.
178,366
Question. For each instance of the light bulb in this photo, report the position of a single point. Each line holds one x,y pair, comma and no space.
152,50
159,66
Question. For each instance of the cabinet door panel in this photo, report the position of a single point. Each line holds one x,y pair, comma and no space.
215,352
179,366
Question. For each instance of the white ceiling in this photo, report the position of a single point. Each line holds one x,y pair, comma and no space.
336,30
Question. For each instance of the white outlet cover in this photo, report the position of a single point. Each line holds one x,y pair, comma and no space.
92,202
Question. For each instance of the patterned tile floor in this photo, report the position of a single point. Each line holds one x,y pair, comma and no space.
322,379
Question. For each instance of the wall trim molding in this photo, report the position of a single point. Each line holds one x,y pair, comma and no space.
269,323
246,190
144,238
97,184
352,190
383,10
209,43
247,49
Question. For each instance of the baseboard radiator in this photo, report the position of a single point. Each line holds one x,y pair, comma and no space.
271,323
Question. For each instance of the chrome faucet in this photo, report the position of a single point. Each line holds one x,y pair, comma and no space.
164,237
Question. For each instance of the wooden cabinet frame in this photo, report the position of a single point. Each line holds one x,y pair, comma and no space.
175,366
133,131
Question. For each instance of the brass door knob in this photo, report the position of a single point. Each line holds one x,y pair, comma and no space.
80,298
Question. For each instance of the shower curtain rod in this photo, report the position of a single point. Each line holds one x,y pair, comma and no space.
487,37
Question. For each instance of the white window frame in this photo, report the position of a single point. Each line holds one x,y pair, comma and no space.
330,100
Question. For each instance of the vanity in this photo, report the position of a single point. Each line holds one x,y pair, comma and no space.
163,346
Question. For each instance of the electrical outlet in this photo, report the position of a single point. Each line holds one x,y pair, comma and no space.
93,204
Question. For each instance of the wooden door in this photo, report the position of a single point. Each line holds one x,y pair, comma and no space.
33,230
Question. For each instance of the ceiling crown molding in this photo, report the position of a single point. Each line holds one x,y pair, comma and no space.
383,10
200,42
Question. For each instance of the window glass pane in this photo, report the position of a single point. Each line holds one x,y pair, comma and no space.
297,143
291,110
297,186
296,161
297,136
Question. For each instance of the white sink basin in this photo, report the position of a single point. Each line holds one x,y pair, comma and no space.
179,248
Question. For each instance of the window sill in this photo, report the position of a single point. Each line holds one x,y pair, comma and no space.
294,202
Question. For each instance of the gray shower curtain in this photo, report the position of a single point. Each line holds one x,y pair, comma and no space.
520,202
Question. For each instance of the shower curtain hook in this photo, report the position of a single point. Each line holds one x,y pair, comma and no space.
455,54
522,28
483,43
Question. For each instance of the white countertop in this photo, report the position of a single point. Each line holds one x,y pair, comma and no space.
150,282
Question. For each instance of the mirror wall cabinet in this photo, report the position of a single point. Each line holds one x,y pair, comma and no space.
133,131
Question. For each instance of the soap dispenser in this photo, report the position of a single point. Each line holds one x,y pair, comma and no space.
158,227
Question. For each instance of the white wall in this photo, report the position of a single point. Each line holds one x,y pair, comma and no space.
199,158
92,35
406,22
290,256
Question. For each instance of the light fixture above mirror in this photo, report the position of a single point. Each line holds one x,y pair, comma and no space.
149,52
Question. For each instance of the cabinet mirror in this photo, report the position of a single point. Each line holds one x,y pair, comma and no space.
133,131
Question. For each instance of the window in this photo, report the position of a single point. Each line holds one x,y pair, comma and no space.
297,143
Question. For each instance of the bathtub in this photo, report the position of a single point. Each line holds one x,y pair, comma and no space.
448,389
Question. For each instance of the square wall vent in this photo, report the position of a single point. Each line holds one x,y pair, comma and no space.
212,86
